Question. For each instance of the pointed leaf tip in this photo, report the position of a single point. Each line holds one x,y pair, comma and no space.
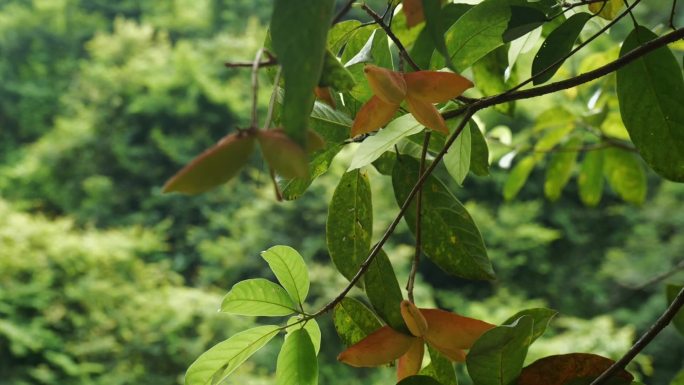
373,115
435,86
427,115
415,321
388,85
379,348
452,332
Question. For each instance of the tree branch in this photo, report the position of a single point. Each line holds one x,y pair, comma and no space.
645,339
419,216
402,50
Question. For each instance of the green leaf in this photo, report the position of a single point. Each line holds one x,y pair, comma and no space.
376,51
383,291
518,176
560,167
333,125
418,380
523,20
541,317
590,179
258,297
497,356
300,52
217,363
340,33
292,189
679,378
476,33
678,321
311,327
214,166
489,73
440,368
297,363
373,147
436,25
350,223
625,175
479,154
557,45
290,269
353,321
424,46
450,237
457,160
335,75
650,93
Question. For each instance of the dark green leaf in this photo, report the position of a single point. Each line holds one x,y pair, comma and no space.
678,321
518,176
350,223
217,363
419,380
479,155
679,378
560,167
541,317
436,24
424,46
383,291
590,179
311,327
650,93
335,75
297,363
354,321
292,189
440,368
450,237
300,52
625,174
556,46
290,269
523,20
573,368
489,73
259,297
497,357
457,160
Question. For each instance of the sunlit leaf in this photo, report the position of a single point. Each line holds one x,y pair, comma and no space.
570,368
290,269
650,93
518,176
425,44
383,291
540,316
607,9
354,321
435,86
297,363
311,327
409,364
379,348
259,297
220,361
457,160
350,223
560,168
373,147
213,167
388,85
340,33
415,322
376,51
590,179
426,114
625,174
372,116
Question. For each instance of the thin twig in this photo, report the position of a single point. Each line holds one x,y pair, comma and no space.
419,215
570,5
634,20
402,50
268,63
645,339
674,270
672,14
343,11
255,87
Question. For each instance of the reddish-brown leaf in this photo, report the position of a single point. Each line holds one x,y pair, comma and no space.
413,9
564,368
452,332
314,142
415,321
373,115
426,114
323,94
435,86
214,166
386,84
409,364
379,348
286,157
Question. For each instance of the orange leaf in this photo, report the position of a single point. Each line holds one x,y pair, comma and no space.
409,364
286,157
323,94
314,141
214,166
435,86
373,115
427,115
415,321
564,368
379,348
413,9
452,332
386,84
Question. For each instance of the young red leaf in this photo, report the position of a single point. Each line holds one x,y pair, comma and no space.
409,364
373,115
427,115
415,321
286,157
413,9
379,348
435,86
449,332
564,368
323,94
386,84
214,166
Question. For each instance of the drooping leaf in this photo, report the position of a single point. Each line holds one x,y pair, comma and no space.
518,176
283,154
300,52
415,322
409,364
590,179
450,333
290,269
497,357
350,223
560,168
311,327
383,291
258,297
386,84
540,316
297,363
424,46
220,361
440,368
522,45
426,114
625,175
575,368
607,9
457,160
353,321
450,237
379,348
436,25
419,380
557,45
373,115
373,147
650,93
678,321
479,154
214,166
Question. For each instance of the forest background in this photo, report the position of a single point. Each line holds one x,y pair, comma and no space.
104,280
